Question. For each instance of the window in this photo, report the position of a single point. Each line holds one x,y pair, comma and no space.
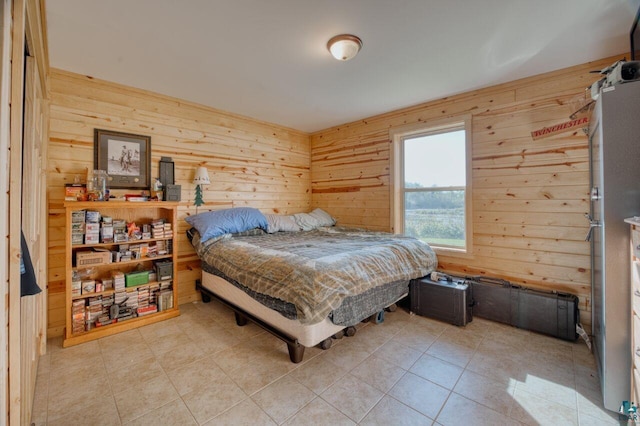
431,184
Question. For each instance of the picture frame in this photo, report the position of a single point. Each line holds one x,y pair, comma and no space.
125,157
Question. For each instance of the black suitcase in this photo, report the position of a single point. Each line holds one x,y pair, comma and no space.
448,301
552,313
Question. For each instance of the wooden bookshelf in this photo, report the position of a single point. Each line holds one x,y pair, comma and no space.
140,213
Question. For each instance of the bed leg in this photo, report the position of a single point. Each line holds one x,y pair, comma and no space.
240,320
350,331
205,298
296,352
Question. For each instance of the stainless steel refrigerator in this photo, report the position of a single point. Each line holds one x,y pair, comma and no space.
614,151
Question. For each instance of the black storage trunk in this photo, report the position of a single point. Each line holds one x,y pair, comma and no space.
448,301
555,314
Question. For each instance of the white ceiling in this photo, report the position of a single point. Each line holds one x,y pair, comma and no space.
268,59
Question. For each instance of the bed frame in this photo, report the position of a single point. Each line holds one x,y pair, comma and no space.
296,335
296,350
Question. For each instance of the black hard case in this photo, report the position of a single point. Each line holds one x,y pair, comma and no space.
552,313
448,301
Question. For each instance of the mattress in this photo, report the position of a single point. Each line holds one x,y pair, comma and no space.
316,272
350,312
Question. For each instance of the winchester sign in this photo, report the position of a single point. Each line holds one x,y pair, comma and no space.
559,128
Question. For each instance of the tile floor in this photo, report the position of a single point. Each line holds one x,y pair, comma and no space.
201,369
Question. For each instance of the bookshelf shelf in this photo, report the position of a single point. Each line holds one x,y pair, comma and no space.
117,307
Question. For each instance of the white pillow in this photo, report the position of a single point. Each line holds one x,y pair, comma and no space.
314,219
277,223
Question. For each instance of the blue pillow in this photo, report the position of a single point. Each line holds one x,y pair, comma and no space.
228,221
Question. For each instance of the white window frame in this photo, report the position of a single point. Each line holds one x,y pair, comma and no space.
397,135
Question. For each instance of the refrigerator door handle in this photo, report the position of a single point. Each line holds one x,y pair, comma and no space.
592,224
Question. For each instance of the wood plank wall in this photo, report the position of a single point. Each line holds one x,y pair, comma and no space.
529,197
250,163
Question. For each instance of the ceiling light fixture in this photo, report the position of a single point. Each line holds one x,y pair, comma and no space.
344,46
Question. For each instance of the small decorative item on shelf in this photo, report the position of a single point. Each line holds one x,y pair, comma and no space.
75,191
201,178
97,189
157,193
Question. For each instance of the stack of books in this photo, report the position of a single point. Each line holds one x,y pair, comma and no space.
77,316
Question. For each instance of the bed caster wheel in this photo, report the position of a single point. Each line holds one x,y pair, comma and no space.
205,298
338,335
326,344
378,318
350,331
391,308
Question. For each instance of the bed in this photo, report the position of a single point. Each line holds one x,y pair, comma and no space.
306,280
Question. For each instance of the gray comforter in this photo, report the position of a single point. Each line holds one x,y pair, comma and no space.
316,270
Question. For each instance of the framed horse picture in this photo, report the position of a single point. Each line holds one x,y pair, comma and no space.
125,157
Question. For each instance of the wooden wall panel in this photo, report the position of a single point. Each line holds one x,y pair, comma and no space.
529,197
250,163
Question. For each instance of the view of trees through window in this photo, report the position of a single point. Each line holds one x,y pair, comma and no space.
435,217
434,187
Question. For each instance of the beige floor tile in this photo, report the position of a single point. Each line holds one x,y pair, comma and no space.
40,399
549,390
70,393
352,397
460,410
427,324
214,340
586,378
246,413
532,410
139,372
400,355
75,356
180,355
117,357
391,412
136,399
169,342
235,356
44,364
171,414
256,375
590,403
587,420
120,340
561,372
158,331
347,354
420,394
87,371
195,376
100,412
434,369
420,341
318,374
502,368
462,336
372,336
217,367
451,352
219,396
582,355
495,395
379,373
319,412
283,398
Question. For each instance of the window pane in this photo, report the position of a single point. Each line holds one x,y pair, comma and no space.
436,217
435,160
